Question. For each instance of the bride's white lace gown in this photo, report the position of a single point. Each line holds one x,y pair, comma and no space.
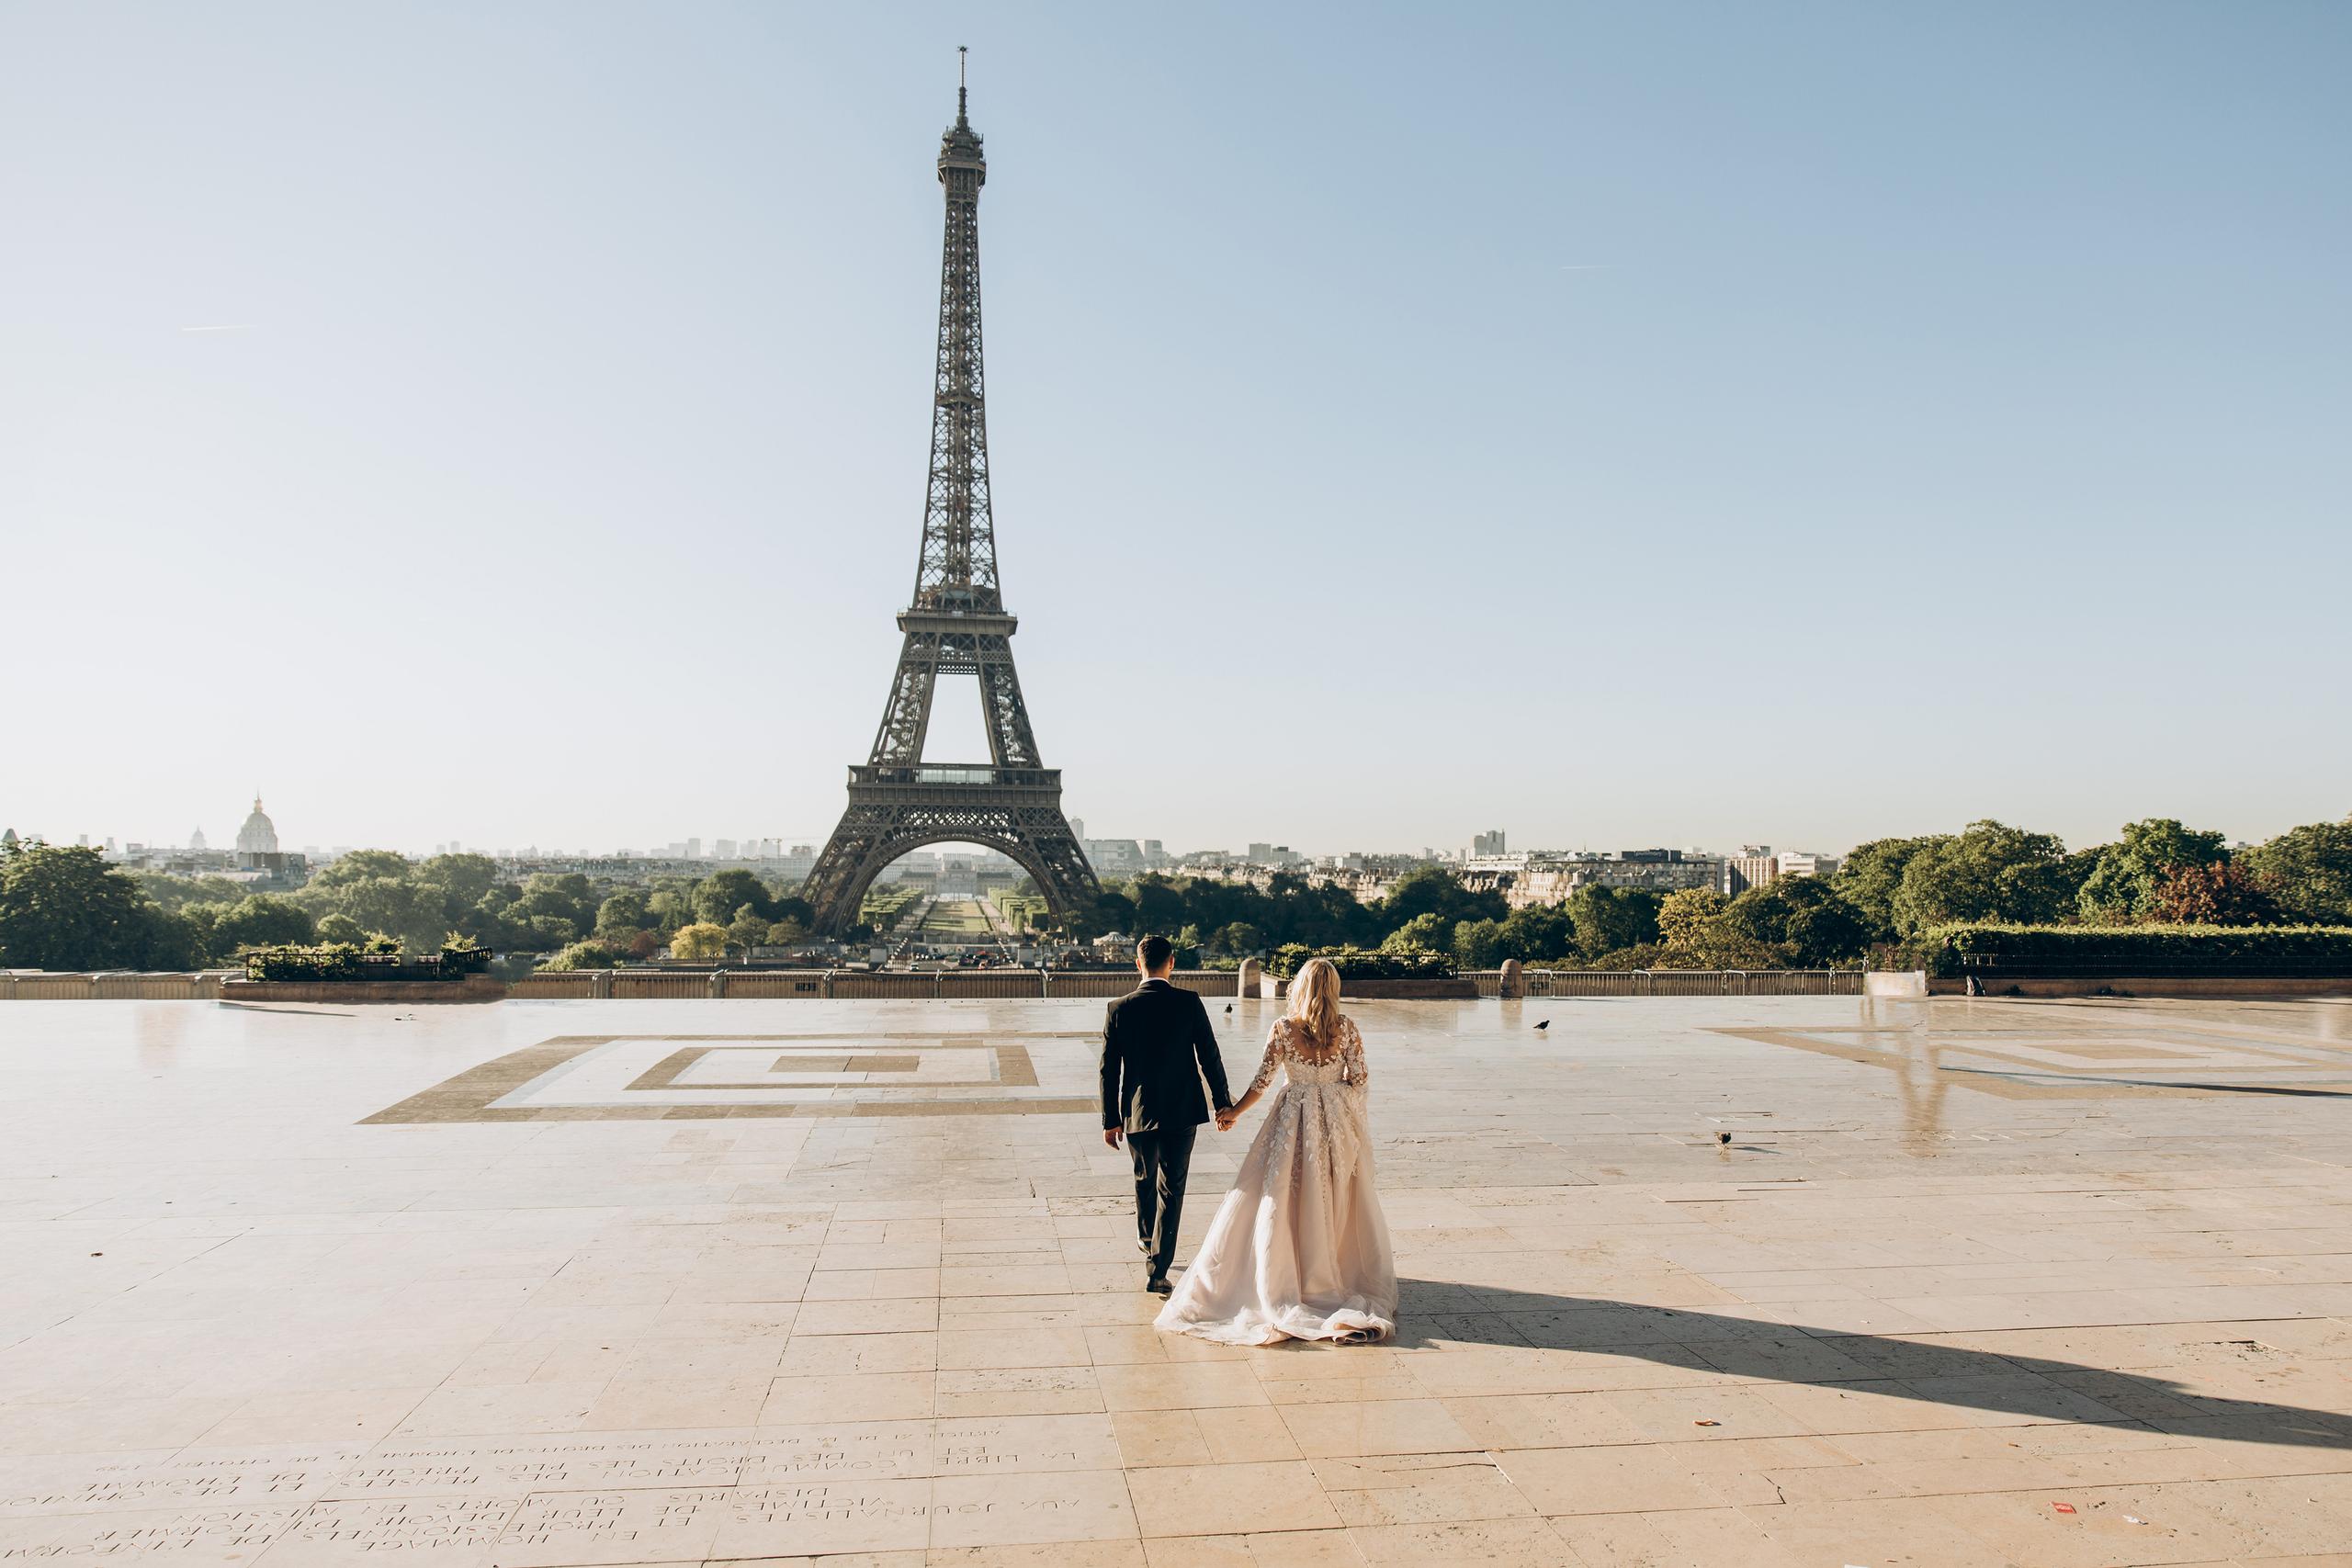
1299,1248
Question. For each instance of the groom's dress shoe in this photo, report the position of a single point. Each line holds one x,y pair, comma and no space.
1158,1285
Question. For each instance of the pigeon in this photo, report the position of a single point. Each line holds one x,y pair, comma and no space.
1723,1137
1228,1007
1544,1025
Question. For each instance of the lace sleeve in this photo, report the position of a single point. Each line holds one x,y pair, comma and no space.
1352,1064
1273,1058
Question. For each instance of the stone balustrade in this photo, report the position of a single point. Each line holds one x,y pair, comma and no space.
823,985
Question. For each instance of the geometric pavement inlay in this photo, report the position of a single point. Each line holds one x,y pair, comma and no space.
2074,1061
626,1078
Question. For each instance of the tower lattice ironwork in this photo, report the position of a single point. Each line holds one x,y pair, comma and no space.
957,624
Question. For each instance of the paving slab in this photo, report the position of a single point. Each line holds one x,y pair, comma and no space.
1756,1280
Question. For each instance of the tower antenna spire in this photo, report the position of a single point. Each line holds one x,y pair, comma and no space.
960,102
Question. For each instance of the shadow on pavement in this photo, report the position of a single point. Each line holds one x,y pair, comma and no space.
1433,1313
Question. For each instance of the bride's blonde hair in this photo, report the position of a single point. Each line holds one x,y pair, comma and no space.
1314,1001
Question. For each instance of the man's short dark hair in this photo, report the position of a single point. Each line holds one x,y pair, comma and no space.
1153,952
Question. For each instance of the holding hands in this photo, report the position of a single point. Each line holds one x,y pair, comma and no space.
1227,1115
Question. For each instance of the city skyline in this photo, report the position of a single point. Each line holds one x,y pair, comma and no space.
1470,846
259,832
1811,427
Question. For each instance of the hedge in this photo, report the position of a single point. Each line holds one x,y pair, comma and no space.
377,960
2219,951
1362,964
327,961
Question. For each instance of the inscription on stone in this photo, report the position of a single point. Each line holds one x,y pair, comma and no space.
622,1499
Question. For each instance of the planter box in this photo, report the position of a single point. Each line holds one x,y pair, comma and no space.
473,989
2219,987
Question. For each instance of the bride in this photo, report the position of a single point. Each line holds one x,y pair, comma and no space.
1299,1248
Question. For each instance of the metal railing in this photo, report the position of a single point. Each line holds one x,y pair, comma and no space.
954,773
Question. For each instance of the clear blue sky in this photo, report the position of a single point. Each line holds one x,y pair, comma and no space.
1618,424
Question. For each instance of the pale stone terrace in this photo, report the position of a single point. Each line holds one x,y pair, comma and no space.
640,1282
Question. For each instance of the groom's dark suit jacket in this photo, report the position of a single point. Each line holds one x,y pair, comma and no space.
1156,1046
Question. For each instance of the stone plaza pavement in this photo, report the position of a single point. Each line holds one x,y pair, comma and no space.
1711,1282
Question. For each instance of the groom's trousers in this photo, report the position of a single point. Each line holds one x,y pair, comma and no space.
1162,1158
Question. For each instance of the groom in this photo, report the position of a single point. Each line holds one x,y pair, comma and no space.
1157,1045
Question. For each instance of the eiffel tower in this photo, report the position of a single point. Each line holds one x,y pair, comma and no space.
957,624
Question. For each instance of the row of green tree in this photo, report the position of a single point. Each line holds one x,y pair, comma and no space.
698,920
1886,892
64,908
2159,872
1426,912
